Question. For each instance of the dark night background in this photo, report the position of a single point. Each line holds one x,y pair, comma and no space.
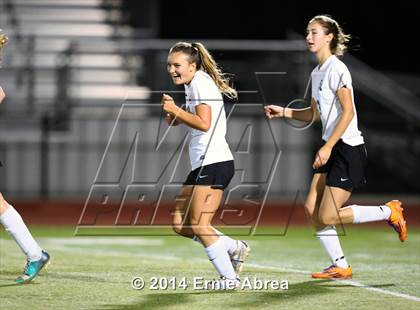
384,34
108,58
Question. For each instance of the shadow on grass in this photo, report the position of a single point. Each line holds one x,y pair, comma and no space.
238,299
77,277
13,272
57,276
13,283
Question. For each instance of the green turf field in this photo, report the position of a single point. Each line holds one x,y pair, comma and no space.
96,272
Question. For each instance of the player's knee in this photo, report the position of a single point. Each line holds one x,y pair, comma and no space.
315,222
327,219
198,230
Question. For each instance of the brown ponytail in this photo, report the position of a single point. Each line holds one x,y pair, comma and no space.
338,44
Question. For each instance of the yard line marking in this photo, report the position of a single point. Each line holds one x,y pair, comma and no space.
344,282
378,290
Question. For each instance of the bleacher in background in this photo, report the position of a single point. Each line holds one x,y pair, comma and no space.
71,64
80,36
63,56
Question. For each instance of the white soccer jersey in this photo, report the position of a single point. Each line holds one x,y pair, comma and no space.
207,147
326,81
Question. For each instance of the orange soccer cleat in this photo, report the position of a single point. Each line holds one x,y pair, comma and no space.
396,220
334,272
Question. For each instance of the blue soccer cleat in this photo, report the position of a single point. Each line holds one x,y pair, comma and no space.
33,268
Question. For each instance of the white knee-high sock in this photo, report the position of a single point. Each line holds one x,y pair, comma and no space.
230,244
364,214
14,225
220,259
329,239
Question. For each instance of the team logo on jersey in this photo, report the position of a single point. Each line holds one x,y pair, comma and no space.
320,85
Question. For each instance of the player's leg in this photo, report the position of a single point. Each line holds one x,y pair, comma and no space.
218,176
238,250
330,212
332,200
391,212
327,235
14,225
180,221
204,204
181,218
314,197
347,171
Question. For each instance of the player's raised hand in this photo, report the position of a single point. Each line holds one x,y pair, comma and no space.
272,111
168,104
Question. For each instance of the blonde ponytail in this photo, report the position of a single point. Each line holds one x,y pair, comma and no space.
3,40
204,61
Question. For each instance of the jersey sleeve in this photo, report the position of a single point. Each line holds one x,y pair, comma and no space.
340,77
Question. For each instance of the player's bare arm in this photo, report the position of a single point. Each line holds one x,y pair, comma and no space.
306,114
201,120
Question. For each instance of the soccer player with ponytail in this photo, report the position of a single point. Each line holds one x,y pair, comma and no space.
191,65
339,164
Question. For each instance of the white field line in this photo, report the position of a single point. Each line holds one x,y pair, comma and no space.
378,290
344,282
62,247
